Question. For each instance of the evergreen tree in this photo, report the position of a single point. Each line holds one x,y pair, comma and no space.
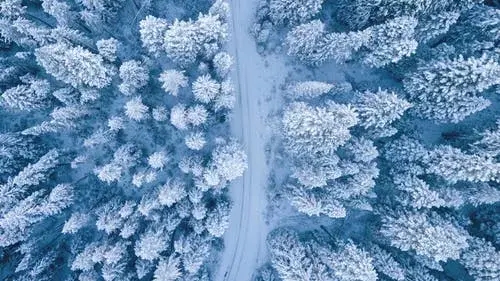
74,65
152,32
29,97
136,110
310,130
445,89
134,76
390,42
229,160
168,269
380,109
308,89
454,165
293,12
482,260
172,80
434,237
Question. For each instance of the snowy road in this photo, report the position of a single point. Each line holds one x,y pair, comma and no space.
245,247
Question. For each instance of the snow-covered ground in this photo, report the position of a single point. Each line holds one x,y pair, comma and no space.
245,240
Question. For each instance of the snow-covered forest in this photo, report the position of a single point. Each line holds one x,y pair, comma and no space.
388,140
250,140
115,146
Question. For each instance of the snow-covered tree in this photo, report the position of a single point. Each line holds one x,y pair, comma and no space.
445,89
136,110
217,220
76,222
34,95
454,165
150,244
310,130
74,65
184,41
108,48
222,63
307,42
435,238
390,42
482,260
205,89
229,160
315,203
158,160
152,30
134,76
178,116
197,115
378,110
289,257
435,25
31,175
171,192
416,192
308,89
350,264
293,12
195,141
15,223
386,264
172,80
168,269
60,10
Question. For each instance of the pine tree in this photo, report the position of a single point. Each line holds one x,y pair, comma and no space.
390,42
60,10
315,203
222,63
184,41
152,32
293,12
29,97
217,220
158,160
168,269
171,192
386,264
482,260
178,117
288,256
150,244
378,110
74,65
310,130
136,110
229,160
306,42
205,89
454,165
197,115
434,238
308,89
350,263
108,48
442,88
172,80
134,76
31,175
76,222
435,26
195,141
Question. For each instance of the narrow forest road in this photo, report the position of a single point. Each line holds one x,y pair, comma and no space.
244,240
